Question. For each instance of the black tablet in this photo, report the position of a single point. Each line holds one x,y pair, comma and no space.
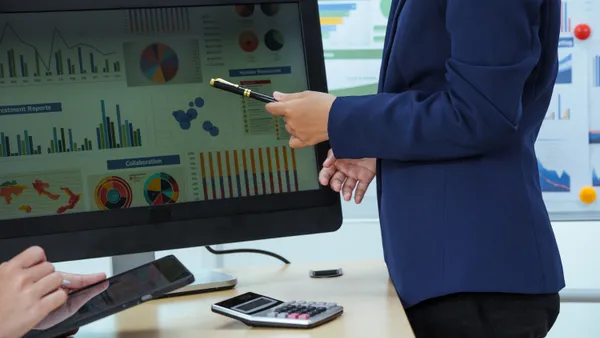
113,295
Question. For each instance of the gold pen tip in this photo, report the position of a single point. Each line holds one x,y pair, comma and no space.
212,82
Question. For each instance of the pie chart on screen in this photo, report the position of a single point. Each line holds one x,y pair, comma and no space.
248,41
159,63
161,188
274,40
112,193
244,10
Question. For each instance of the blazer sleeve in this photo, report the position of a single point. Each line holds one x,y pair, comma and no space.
494,49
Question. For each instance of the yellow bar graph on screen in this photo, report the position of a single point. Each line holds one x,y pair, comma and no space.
236,163
295,171
332,21
212,175
262,170
287,169
248,172
270,164
253,165
220,170
229,178
566,115
245,166
278,166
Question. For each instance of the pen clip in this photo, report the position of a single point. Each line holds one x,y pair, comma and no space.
225,82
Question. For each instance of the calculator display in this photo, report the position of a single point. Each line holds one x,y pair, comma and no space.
256,304
253,305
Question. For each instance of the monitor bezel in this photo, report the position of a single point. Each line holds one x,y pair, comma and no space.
143,229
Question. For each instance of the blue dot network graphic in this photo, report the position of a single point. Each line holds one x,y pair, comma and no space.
185,117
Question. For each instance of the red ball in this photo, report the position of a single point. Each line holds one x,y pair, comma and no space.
582,31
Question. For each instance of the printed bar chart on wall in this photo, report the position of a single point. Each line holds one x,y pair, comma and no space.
247,172
565,18
596,71
558,112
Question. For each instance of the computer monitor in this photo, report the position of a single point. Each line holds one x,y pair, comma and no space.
112,141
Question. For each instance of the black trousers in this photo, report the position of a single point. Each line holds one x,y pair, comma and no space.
485,315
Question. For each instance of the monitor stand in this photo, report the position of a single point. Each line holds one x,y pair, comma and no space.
205,281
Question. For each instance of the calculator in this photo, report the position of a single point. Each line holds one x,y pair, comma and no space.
253,309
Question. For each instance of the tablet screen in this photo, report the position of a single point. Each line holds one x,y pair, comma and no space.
108,297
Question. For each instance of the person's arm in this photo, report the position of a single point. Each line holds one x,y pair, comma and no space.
494,48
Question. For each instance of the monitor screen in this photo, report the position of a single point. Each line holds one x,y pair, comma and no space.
112,109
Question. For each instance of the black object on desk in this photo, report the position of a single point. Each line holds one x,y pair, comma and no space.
237,89
326,273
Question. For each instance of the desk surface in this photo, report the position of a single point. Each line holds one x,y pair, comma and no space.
371,306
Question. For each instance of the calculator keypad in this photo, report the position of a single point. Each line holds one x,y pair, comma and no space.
300,310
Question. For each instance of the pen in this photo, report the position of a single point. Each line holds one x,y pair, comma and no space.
237,89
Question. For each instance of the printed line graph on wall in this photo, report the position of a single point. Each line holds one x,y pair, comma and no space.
243,172
553,180
595,178
595,165
565,70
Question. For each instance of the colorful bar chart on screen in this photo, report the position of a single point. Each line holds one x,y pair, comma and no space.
111,134
565,19
158,20
558,112
63,142
23,146
596,71
247,172
23,60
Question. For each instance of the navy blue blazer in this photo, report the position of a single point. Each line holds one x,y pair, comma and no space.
464,88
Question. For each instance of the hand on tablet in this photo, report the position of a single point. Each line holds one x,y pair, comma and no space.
30,289
75,302
74,282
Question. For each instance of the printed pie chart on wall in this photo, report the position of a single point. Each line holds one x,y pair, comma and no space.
248,41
